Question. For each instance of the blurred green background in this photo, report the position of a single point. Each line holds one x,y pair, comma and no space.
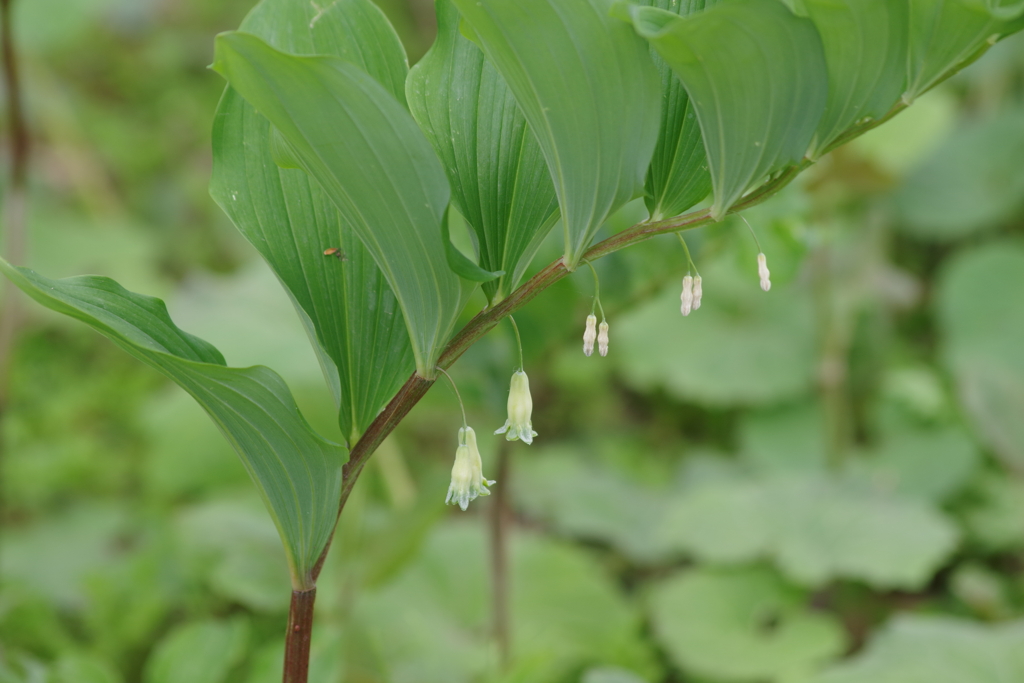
821,484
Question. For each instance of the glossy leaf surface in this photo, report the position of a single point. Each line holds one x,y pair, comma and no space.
865,45
678,176
364,149
297,472
589,91
348,308
499,179
756,75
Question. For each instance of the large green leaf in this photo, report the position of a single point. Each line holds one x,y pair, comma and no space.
946,35
200,652
746,625
866,50
756,75
500,181
678,176
349,311
815,528
297,472
981,314
936,649
362,146
972,182
589,91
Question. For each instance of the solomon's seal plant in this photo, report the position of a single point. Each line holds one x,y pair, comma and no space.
523,118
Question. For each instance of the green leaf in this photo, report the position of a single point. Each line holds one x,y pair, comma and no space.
947,35
200,652
741,626
865,45
500,182
972,182
757,78
994,512
460,263
935,649
589,92
678,176
981,315
816,529
297,472
358,141
743,347
346,305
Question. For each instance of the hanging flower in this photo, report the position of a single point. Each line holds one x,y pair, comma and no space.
520,410
468,481
602,338
696,292
687,296
762,271
590,334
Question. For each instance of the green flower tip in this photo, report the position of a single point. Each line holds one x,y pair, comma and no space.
468,481
520,410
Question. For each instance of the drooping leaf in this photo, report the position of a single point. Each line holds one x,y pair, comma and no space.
981,314
936,649
946,35
500,181
364,149
297,472
345,303
678,176
972,182
745,625
815,528
865,45
756,76
589,92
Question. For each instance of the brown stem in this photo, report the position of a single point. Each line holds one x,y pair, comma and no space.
500,513
296,641
14,210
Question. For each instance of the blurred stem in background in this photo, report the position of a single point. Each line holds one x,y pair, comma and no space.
12,234
500,514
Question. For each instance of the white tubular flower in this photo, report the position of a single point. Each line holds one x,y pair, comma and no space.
762,272
468,480
687,296
696,292
520,410
602,338
590,334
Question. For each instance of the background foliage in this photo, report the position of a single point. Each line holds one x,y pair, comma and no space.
824,483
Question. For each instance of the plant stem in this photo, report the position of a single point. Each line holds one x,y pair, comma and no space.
519,341
416,386
14,210
500,514
296,642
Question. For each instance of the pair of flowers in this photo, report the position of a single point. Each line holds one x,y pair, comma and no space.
468,481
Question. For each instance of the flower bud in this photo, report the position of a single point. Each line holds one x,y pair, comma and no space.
520,410
762,271
468,481
590,334
687,296
696,292
602,338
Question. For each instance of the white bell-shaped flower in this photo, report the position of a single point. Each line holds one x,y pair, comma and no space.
468,481
602,338
687,296
762,271
520,410
590,334
697,292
